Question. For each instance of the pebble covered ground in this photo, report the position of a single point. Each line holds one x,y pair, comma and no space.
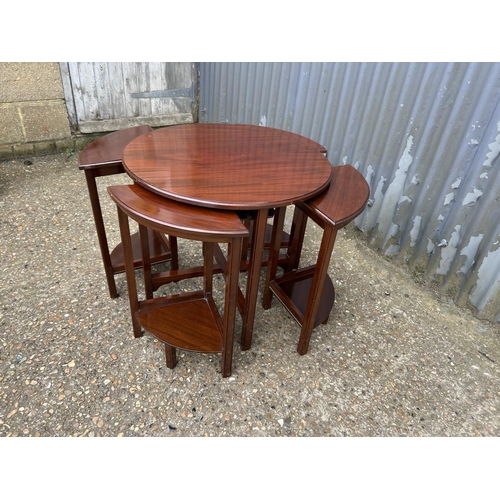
394,360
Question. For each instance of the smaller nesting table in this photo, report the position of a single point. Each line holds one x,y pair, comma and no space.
189,321
103,157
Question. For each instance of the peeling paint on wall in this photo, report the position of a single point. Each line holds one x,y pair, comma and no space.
448,252
394,192
374,208
431,246
393,249
449,198
488,281
494,150
441,148
415,230
471,198
369,175
470,251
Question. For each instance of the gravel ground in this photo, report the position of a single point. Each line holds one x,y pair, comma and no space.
394,360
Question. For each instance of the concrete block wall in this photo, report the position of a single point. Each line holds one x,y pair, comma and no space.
33,115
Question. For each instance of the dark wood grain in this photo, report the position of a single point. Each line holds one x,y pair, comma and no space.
103,157
190,321
188,324
180,220
240,167
231,167
295,287
156,244
344,199
108,149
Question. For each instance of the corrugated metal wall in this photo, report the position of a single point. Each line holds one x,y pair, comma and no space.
426,136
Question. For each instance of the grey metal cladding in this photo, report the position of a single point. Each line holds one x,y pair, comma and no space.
426,136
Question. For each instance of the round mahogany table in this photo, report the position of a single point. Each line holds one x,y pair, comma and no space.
232,167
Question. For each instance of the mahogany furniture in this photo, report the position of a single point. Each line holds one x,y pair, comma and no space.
308,293
247,218
103,157
189,321
230,167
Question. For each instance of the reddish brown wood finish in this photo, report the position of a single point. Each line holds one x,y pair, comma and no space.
183,220
345,199
108,149
236,167
293,289
231,167
189,321
103,157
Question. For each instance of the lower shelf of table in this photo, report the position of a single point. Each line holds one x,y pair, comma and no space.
268,238
292,290
189,321
157,248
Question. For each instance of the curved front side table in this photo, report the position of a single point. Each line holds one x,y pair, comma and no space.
190,320
103,157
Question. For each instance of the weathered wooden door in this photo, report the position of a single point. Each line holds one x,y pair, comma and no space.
106,96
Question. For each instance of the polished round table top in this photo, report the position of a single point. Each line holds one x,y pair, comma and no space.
240,167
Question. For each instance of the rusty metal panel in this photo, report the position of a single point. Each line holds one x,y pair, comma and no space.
426,136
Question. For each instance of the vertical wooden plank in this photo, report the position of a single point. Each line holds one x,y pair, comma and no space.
89,92
143,82
182,78
68,94
103,90
168,103
116,88
130,87
101,94
156,80
178,75
77,91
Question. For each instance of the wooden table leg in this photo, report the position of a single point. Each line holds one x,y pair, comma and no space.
170,356
317,285
232,273
101,232
256,250
297,233
130,271
274,253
